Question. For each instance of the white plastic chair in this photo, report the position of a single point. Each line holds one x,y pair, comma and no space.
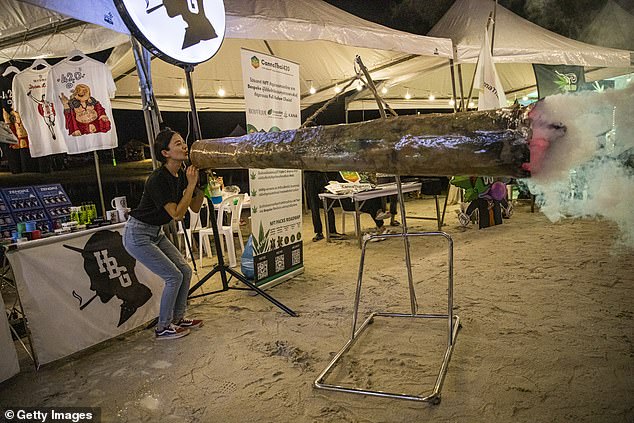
195,225
343,220
233,206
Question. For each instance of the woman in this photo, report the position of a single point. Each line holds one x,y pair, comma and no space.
168,192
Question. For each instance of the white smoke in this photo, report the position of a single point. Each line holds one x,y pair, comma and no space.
588,172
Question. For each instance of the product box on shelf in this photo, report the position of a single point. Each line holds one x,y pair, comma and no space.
21,198
52,195
38,216
24,206
7,225
56,203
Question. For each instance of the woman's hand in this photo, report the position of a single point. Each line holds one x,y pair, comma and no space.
192,175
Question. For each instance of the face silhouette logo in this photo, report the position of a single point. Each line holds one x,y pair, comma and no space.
111,272
255,62
198,28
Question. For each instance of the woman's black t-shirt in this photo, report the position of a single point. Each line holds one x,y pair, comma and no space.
160,188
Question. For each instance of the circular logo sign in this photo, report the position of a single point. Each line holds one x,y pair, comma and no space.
182,32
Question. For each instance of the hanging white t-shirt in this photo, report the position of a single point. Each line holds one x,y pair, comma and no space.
39,116
81,91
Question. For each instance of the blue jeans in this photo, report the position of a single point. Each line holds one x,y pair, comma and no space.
149,246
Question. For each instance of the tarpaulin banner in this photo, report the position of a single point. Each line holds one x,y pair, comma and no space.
558,79
81,289
9,365
271,94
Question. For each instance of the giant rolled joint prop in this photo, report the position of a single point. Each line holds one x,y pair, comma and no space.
490,143
509,142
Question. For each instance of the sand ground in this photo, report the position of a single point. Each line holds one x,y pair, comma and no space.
547,332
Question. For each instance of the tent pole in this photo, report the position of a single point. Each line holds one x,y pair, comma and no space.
192,103
462,103
453,84
103,204
495,6
150,113
455,60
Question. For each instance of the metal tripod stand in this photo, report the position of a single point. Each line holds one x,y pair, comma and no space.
220,267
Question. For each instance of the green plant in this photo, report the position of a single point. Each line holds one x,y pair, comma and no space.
261,243
253,175
254,192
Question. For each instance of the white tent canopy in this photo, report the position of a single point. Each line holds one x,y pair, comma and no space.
518,44
324,40
29,32
518,40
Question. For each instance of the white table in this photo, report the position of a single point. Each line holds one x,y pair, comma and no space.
80,289
359,198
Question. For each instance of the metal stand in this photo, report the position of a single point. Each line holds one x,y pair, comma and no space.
99,184
453,322
220,267
30,351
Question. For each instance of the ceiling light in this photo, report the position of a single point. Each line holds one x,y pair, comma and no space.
384,90
337,89
471,104
312,89
525,98
182,90
221,92
407,95
432,97
452,102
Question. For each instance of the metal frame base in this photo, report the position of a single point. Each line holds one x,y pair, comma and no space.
433,397
453,321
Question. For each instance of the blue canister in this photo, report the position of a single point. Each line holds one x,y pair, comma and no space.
30,226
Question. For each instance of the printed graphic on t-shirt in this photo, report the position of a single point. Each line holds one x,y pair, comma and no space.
83,113
46,110
81,91
31,99
13,119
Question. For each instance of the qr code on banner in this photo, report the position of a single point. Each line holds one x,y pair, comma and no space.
263,270
279,263
296,257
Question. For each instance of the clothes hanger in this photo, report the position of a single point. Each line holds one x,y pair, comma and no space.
75,54
10,70
39,62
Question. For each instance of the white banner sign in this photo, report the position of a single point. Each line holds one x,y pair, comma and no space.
271,94
9,365
490,91
82,289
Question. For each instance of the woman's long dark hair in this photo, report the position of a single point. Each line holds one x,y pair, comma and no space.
162,142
